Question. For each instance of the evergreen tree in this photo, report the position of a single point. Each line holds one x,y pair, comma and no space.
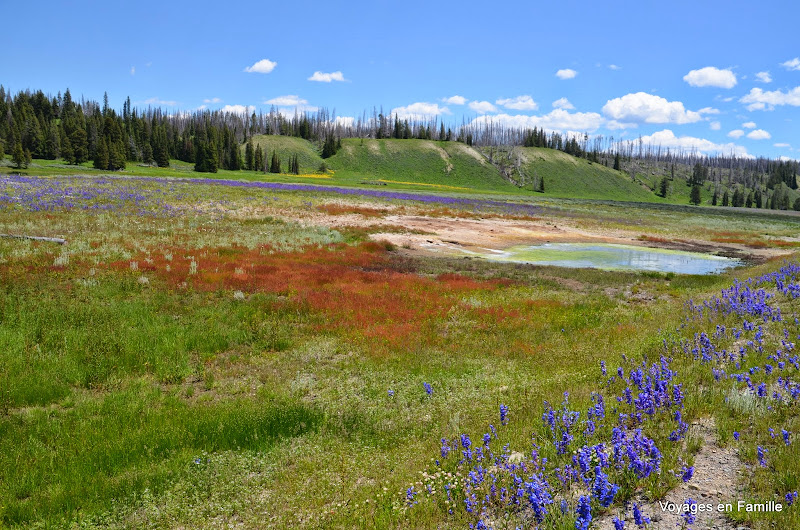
714,198
442,134
725,198
211,157
2,152
18,156
80,147
616,162
258,159
663,187
694,196
758,198
101,155
66,150
116,155
234,157
249,156
275,164
147,153
541,185
749,200
736,198
796,205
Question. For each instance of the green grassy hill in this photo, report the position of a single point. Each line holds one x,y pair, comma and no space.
421,162
567,176
288,146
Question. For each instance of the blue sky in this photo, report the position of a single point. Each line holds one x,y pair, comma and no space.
719,76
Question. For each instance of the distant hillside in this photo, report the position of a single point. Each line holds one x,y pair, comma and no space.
288,146
567,176
417,161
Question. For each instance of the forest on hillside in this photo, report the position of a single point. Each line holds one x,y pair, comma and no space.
40,126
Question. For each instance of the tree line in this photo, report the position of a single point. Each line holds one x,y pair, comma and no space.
35,125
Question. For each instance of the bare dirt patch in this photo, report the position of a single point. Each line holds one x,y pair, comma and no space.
418,234
715,480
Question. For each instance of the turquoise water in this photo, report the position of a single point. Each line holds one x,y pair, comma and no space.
616,257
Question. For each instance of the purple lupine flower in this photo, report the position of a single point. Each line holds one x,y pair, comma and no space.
762,456
638,518
428,388
687,473
503,414
690,512
584,511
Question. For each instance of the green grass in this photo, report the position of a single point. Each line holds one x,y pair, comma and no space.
453,166
308,156
567,176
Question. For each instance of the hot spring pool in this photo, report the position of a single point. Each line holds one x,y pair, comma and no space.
615,257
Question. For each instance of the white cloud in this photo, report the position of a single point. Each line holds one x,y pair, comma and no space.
286,101
613,125
566,73
784,158
647,108
264,66
614,67
794,64
715,125
708,110
667,138
736,133
156,101
728,100
133,70
344,121
563,103
759,134
238,109
781,144
759,99
419,110
749,125
555,120
327,77
482,107
202,107
764,77
455,100
518,103
711,76
212,100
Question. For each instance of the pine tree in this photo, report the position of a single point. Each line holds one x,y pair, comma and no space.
737,197
714,198
541,185
101,155
18,156
442,134
249,156
725,198
234,156
758,198
80,147
275,164
258,160
66,150
663,187
749,201
694,196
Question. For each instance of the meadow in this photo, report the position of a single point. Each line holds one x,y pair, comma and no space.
202,353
